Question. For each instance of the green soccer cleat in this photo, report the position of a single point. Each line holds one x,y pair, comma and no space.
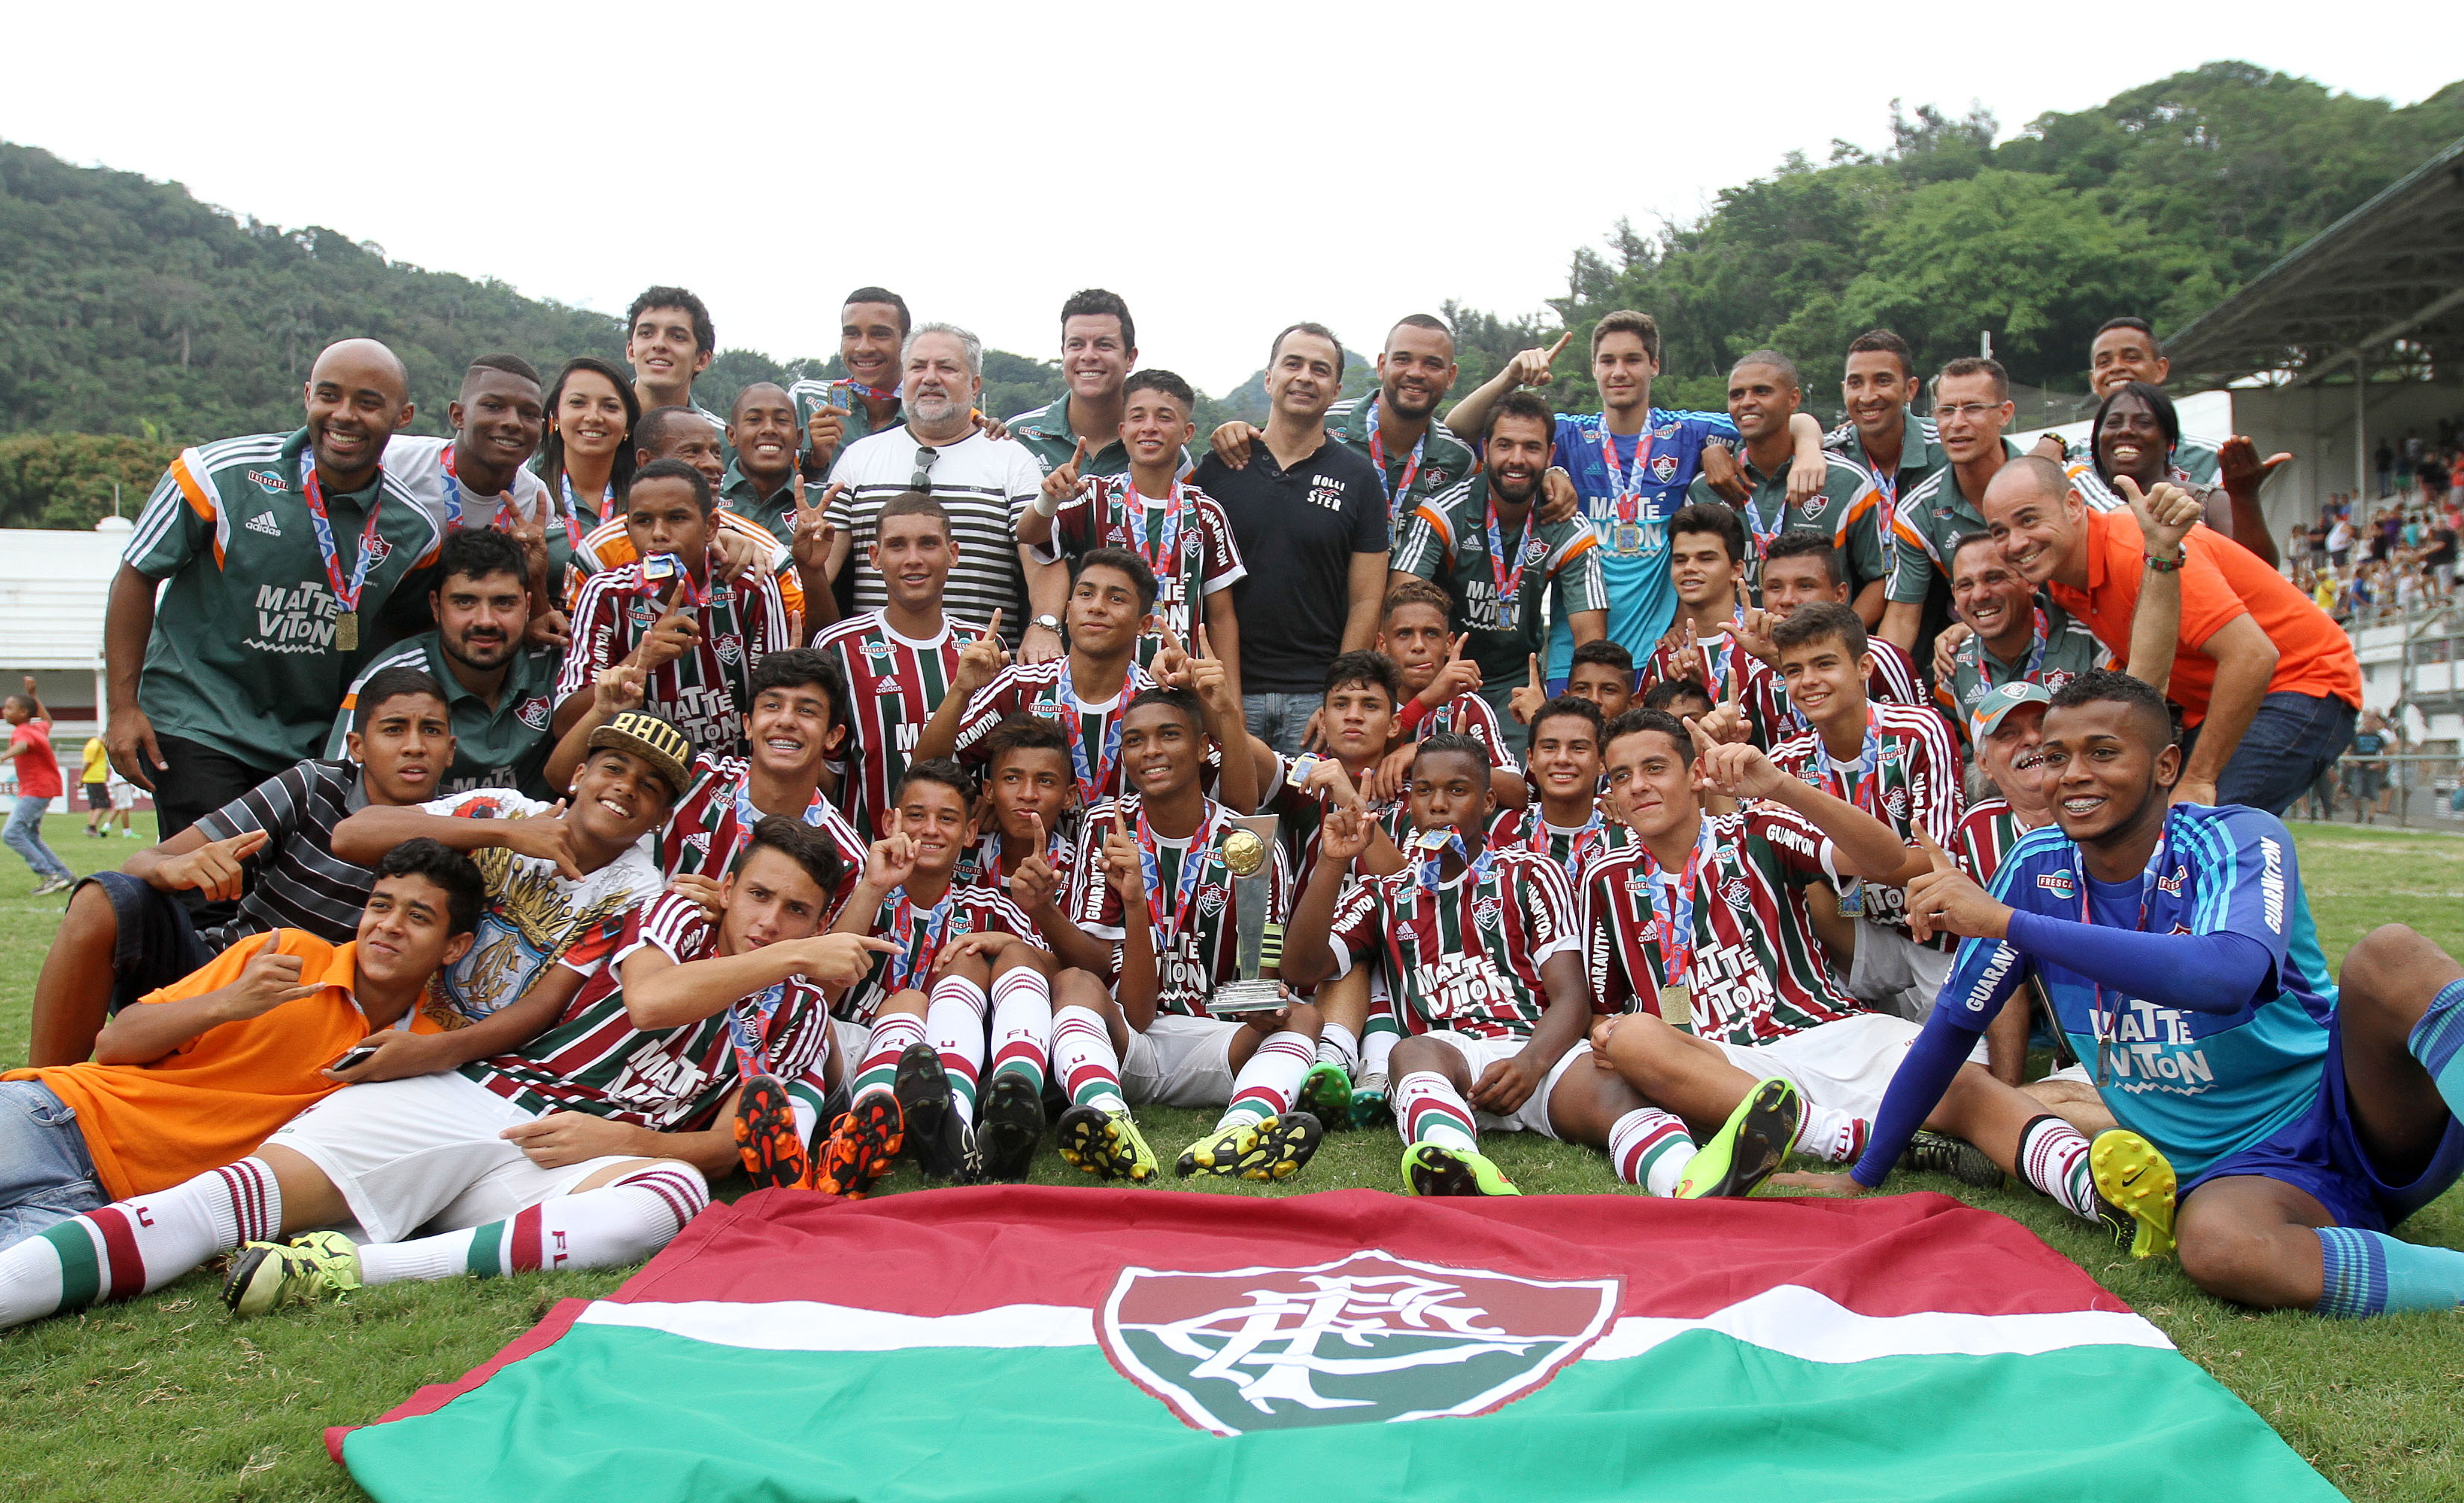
1106,1144
1220,1151
1270,1149
1931,1152
1432,1169
2134,1192
1747,1146
266,1273
1370,1107
1326,1094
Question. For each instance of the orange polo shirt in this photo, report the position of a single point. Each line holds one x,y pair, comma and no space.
2221,581
212,1101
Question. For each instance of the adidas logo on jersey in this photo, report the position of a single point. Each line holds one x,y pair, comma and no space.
263,522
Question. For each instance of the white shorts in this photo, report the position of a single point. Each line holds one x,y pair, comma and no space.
2074,1073
1894,972
1479,1054
424,1155
1845,1066
851,1041
1180,1061
123,795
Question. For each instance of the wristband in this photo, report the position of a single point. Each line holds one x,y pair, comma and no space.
2171,565
1045,503
1414,713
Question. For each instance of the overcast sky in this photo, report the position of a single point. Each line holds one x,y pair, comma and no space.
1227,170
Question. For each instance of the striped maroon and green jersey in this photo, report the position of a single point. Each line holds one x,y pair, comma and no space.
1892,680
1195,952
1205,556
1986,836
1575,850
1756,972
715,818
1300,816
894,683
1470,715
704,692
1716,663
971,910
1915,786
1042,690
670,1080
980,867
1467,957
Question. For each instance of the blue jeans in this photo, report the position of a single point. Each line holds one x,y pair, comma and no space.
46,1175
25,836
2291,741
1280,719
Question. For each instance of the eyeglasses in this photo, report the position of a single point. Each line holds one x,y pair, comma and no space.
1972,411
925,455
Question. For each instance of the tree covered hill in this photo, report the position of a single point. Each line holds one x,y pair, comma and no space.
130,311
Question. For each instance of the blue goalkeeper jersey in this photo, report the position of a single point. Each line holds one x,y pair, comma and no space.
2199,1085
1628,508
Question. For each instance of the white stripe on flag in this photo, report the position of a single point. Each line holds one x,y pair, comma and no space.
1787,1318
1797,1321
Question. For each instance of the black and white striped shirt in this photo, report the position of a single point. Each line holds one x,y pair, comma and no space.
295,879
984,483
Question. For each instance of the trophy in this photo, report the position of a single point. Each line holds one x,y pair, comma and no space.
1247,849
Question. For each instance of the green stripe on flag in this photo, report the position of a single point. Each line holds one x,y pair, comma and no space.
80,1272
613,1411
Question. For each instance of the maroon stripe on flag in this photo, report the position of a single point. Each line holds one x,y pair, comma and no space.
120,1247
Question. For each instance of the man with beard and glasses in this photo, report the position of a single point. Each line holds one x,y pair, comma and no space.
498,691
1482,542
983,483
279,560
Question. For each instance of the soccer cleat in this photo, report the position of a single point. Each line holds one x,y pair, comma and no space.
1432,1169
265,1273
2134,1192
1285,1146
1220,1151
1931,1152
1369,1104
863,1147
51,884
1324,1094
1106,1144
1013,1124
1747,1146
940,1137
766,1143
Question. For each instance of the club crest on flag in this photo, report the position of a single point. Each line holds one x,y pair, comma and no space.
1368,1339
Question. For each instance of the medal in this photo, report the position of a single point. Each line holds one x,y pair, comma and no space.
1673,924
1508,580
1629,540
1377,458
346,620
1627,484
748,1035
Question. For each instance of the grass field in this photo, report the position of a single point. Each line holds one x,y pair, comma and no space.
164,1400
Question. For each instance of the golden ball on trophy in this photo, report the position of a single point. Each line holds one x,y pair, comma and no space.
1243,853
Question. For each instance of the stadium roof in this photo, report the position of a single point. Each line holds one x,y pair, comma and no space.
2391,270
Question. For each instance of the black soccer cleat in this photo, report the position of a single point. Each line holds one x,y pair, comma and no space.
1013,1124
1931,1152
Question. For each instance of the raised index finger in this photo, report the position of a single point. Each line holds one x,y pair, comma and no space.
1559,348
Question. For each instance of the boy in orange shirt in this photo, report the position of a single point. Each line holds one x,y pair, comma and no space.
197,1073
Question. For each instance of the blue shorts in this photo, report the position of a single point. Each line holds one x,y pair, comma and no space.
2320,1153
158,943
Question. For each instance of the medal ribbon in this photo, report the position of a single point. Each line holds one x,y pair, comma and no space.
1590,835
747,816
1094,778
1437,842
859,388
1165,558
311,490
749,1037
2037,653
1193,871
1378,457
1628,500
906,964
1510,583
1677,917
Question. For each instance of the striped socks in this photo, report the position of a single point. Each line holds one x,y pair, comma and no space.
1022,1023
1650,1147
894,1034
1429,1109
623,1221
954,1021
1265,1085
2053,1157
2437,1041
1829,1134
1083,1057
135,1246
2369,1273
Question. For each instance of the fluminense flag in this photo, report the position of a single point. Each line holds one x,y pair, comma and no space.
1023,1342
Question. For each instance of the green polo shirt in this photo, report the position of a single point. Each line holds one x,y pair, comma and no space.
243,657
1446,540
813,393
776,512
1920,456
1446,460
1047,433
1930,521
505,747
1848,509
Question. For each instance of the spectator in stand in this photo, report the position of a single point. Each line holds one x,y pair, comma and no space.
2384,461
2366,769
38,783
2340,541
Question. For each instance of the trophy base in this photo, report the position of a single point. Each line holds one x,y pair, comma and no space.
1234,998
